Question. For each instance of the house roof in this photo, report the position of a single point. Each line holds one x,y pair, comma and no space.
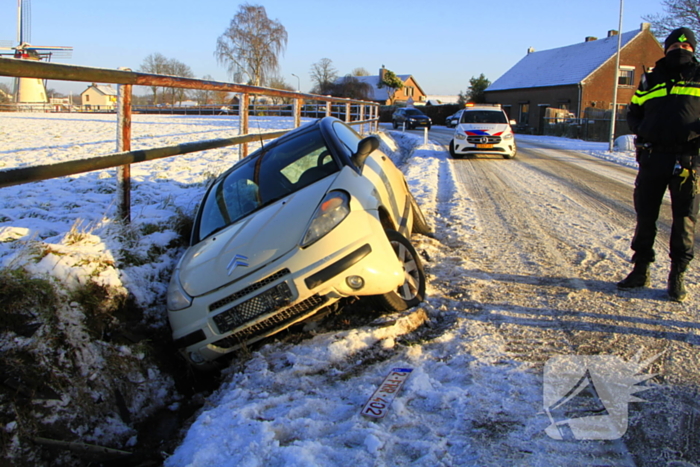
106,90
562,66
376,93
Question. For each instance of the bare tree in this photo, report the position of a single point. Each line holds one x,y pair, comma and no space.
251,44
324,75
678,13
156,64
352,88
177,68
359,71
277,82
204,96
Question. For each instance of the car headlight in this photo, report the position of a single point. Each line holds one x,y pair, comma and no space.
460,136
508,136
333,209
177,297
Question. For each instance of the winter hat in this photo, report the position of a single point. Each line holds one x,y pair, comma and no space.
680,35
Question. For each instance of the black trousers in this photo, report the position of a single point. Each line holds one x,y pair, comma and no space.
654,178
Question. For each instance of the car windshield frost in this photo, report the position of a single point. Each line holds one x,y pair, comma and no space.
483,116
264,177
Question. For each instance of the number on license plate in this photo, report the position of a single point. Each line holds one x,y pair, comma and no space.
378,405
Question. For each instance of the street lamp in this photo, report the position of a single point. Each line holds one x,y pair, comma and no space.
298,82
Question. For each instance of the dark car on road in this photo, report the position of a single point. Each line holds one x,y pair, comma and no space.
411,117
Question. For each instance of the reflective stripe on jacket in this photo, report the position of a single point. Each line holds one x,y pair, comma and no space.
665,108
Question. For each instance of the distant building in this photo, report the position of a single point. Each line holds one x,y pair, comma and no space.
441,100
574,78
411,93
99,97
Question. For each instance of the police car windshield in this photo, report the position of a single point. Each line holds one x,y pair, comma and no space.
483,116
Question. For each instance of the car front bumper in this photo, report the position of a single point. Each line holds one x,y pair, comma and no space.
289,290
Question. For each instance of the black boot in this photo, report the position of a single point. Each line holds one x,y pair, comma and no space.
639,277
676,285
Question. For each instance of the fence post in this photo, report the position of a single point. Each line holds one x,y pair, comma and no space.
243,114
348,118
362,117
297,113
123,145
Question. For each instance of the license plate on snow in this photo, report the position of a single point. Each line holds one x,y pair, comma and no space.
484,146
378,405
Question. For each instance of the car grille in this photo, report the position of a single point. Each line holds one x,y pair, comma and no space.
279,319
270,300
483,139
250,289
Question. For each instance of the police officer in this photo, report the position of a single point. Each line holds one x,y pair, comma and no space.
665,115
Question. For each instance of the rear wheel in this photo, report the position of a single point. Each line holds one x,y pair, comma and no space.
412,291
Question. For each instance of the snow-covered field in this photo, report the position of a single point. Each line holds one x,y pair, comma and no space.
465,403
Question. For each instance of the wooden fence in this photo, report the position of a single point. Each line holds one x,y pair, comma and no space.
355,112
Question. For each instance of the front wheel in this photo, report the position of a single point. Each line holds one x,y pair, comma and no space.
452,150
412,291
396,125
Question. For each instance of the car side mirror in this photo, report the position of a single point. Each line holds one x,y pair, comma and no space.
364,149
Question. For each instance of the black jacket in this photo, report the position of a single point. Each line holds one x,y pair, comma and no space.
666,107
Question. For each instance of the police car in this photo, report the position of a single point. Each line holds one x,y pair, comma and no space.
483,129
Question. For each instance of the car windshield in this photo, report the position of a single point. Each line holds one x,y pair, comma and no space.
413,112
483,116
264,177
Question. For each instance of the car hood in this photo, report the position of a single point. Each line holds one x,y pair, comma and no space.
479,129
418,117
252,242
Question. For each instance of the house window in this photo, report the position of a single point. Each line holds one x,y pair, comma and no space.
409,91
87,97
524,113
626,76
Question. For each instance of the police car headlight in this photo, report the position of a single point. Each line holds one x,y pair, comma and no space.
460,136
333,209
508,136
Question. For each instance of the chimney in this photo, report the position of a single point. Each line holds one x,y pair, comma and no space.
645,26
590,39
382,70
612,32
530,50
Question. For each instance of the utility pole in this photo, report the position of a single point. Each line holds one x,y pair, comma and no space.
615,82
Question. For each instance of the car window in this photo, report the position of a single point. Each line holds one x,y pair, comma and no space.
483,116
413,112
347,136
264,177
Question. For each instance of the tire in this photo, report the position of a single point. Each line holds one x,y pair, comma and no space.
420,225
452,151
396,125
412,291
428,127
511,156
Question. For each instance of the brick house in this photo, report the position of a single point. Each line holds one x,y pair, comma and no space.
576,78
410,93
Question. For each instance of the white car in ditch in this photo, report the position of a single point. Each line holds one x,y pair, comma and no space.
312,218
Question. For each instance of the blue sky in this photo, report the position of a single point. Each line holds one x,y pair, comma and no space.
442,43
